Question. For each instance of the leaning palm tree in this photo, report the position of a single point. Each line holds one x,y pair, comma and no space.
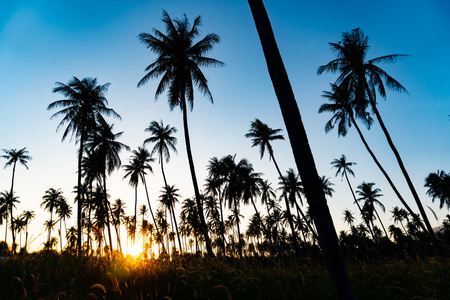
51,200
13,156
261,135
84,107
346,109
304,159
366,78
438,185
178,62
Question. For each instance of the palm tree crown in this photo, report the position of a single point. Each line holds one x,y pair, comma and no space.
261,135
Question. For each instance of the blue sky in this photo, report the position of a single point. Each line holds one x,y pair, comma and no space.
42,42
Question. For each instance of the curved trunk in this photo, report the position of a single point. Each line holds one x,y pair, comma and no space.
359,206
401,165
203,226
303,156
384,173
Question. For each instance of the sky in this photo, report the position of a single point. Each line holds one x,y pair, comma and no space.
48,41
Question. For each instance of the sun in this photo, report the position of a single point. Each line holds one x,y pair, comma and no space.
135,249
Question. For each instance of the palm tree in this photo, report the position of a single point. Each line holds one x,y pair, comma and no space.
261,135
106,148
438,185
7,200
178,62
51,200
348,217
168,198
13,156
399,214
81,111
365,78
118,213
164,142
27,216
304,160
327,189
345,108
64,211
369,195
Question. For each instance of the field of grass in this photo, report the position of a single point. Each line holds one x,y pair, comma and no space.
48,275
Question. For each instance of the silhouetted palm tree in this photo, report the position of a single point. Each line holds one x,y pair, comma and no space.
345,108
178,62
51,200
27,216
168,198
369,195
327,189
348,217
399,214
81,111
118,212
64,211
302,154
6,202
438,185
13,156
261,135
365,78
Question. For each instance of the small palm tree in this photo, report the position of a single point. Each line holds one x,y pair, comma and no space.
27,216
13,156
168,198
7,201
369,196
348,217
64,211
51,200
178,62
399,214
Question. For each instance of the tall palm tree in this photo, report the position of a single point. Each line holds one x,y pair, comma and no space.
168,199
178,62
85,106
346,108
438,185
261,135
51,200
104,143
7,200
118,212
13,156
304,160
369,195
365,78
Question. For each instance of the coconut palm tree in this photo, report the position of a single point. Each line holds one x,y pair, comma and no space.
168,198
369,196
106,148
178,62
399,214
438,185
13,156
64,211
27,216
366,78
6,202
346,109
327,189
51,200
118,213
261,135
348,217
164,142
84,108
304,160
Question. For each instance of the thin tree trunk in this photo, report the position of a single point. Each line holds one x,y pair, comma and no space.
150,208
108,209
11,195
382,225
401,165
385,174
203,226
80,201
302,153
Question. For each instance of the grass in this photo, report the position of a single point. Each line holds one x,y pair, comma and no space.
48,275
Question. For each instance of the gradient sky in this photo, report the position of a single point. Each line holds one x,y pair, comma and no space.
42,42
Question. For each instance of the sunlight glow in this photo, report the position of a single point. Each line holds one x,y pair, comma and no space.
135,249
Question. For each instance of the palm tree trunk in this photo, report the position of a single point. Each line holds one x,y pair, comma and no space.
302,153
80,200
401,165
359,206
150,208
394,188
236,215
108,211
203,226
50,227
11,195
26,236
382,225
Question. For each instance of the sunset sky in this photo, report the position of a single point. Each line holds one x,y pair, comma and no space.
43,42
